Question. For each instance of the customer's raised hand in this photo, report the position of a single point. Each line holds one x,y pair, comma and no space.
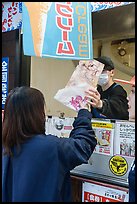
84,105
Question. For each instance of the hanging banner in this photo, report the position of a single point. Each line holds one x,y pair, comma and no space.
57,29
97,6
5,64
11,16
12,12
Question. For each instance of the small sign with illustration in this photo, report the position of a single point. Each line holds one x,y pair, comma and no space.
124,138
104,131
118,165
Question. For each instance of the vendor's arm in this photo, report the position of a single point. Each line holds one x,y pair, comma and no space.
116,107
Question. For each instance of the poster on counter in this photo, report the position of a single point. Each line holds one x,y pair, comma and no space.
11,16
5,67
60,127
104,131
99,193
57,29
124,138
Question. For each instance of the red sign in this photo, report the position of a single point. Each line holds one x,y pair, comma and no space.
100,193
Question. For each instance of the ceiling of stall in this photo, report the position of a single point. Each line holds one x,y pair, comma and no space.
114,23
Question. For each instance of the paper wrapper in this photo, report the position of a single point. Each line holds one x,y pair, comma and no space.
86,75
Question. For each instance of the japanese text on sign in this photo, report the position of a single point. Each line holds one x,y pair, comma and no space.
11,16
125,138
100,193
65,29
4,80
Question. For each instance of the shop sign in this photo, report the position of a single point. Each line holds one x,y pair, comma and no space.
124,138
5,64
97,6
100,193
11,16
12,12
57,29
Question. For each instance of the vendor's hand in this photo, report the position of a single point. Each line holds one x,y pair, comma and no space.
94,98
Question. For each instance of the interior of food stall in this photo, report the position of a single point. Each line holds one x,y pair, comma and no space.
113,36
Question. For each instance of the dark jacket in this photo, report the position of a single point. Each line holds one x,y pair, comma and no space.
115,104
41,171
131,180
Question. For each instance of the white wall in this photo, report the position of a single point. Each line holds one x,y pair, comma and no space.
49,75
121,71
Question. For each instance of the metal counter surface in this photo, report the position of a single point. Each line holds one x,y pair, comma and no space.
98,169
84,175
